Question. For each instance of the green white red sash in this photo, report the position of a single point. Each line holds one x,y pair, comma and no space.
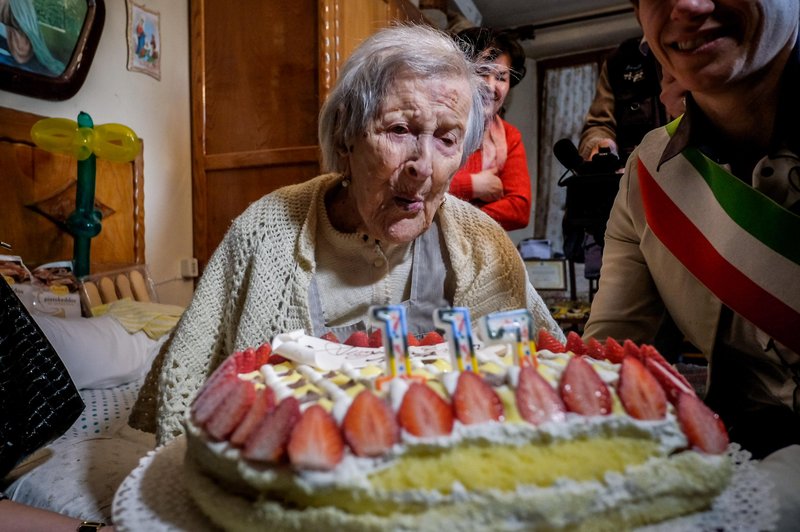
741,245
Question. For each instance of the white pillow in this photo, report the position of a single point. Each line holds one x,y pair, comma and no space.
99,352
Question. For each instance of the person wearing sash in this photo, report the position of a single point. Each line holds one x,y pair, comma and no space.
706,225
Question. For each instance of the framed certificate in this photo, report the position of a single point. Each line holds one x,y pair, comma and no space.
547,274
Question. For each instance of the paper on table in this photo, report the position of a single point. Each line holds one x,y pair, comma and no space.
328,356
303,349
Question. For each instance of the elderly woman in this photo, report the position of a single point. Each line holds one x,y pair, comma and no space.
378,230
495,178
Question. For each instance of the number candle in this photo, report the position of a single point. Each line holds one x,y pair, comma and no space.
455,322
513,326
392,320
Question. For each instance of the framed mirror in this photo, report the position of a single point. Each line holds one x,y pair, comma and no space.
47,46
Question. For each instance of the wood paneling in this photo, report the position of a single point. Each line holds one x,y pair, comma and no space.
255,99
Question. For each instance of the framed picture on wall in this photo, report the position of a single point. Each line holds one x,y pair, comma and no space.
547,274
144,40
47,46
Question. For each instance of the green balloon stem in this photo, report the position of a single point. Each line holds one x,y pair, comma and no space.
84,223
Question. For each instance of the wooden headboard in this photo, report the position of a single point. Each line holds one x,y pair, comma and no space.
37,193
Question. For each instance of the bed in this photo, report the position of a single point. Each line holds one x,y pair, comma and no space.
107,357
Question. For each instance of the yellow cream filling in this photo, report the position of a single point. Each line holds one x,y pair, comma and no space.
482,467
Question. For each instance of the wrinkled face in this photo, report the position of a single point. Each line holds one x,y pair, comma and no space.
709,44
402,165
499,82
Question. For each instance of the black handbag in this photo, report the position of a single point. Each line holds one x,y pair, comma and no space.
38,400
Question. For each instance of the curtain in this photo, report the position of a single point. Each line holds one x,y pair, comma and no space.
567,94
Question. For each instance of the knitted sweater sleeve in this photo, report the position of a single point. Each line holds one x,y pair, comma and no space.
490,274
199,343
254,286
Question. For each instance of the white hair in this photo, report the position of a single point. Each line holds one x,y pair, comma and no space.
369,72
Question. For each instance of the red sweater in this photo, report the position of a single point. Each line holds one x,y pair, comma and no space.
513,210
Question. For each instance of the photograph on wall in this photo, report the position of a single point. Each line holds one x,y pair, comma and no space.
46,46
144,40
40,37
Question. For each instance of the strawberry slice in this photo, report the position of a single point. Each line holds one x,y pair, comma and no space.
639,391
275,359
267,442
246,361
673,383
432,338
595,349
412,340
316,442
231,410
631,349
474,401
263,403
262,354
331,337
650,352
547,341
375,338
369,426
357,339
213,393
424,413
575,344
537,401
703,428
582,389
614,352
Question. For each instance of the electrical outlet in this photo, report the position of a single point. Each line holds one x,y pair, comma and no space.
189,268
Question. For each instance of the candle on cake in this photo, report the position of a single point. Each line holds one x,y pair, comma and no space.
458,330
514,327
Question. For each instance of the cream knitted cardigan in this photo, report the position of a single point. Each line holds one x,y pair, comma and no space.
256,286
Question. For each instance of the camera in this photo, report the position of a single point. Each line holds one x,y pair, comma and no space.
603,162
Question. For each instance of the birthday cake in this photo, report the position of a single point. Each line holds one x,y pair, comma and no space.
306,433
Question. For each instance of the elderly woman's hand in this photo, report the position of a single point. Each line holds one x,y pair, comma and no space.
487,185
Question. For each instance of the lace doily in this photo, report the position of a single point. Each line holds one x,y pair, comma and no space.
154,497
747,504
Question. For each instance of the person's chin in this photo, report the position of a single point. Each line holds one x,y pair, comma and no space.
405,230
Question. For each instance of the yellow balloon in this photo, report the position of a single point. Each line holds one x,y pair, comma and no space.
55,134
113,142
116,142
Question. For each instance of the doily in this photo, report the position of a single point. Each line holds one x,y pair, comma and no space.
746,505
154,498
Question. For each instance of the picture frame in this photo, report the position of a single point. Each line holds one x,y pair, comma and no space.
547,274
144,40
49,59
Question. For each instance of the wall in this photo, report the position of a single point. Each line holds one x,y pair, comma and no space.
158,111
522,112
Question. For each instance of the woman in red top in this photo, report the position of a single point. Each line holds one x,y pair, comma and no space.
495,178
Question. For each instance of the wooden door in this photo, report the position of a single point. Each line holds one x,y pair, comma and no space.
254,107
259,72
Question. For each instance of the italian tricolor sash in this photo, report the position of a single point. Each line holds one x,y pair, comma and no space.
739,243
